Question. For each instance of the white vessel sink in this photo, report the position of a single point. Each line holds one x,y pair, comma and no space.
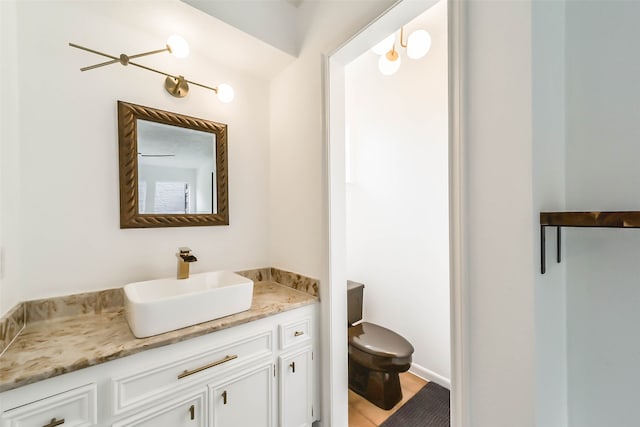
157,306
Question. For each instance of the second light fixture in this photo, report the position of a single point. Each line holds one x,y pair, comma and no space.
417,45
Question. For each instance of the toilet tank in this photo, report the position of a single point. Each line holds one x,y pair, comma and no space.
354,301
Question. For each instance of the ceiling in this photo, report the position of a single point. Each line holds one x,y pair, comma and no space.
274,22
208,36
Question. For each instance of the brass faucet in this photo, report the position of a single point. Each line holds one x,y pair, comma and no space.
185,257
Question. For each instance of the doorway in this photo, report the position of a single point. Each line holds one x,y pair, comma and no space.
338,65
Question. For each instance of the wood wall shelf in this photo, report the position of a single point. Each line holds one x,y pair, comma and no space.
617,219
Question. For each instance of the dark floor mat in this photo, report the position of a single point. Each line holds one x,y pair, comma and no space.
428,408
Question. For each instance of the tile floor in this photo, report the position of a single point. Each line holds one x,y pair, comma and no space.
362,413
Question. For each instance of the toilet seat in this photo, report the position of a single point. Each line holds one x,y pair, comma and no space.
379,348
379,341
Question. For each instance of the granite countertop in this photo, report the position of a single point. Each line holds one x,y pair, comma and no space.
53,347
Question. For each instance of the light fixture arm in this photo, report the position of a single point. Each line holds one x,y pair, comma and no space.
215,89
151,52
96,52
402,43
102,64
144,67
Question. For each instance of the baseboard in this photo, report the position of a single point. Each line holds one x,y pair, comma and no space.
428,375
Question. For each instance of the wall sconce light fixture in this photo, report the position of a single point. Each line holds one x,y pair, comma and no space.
177,86
417,45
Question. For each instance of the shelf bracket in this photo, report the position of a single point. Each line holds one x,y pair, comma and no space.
543,245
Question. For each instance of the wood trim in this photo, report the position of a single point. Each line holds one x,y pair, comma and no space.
130,217
614,219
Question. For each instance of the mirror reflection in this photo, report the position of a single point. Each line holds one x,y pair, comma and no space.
176,170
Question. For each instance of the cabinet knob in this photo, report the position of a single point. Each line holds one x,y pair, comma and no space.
292,365
298,333
224,397
192,412
54,423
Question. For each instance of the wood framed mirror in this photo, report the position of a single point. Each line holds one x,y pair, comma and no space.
173,169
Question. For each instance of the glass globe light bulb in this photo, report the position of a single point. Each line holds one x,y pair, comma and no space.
389,63
418,44
225,93
384,46
178,46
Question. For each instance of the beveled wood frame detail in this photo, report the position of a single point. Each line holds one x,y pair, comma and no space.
128,114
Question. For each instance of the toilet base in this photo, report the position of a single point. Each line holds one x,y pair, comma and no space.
380,388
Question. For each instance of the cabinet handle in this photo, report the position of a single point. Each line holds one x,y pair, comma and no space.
292,365
54,423
186,373
224,397
192,412
298,333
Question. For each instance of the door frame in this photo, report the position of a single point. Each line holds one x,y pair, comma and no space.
333,311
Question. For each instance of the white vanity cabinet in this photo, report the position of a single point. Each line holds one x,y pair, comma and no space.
235,377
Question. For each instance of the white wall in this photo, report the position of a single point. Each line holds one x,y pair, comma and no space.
397,201
602,174
297,224
498,214
66,171
548,57
297,200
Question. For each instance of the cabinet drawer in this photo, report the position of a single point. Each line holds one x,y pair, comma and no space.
188,411
294,333
73,408
142,387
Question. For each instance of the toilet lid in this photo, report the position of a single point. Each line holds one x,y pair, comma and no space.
379,341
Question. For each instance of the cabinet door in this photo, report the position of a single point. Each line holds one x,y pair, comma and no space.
245,399
296,398
178,412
